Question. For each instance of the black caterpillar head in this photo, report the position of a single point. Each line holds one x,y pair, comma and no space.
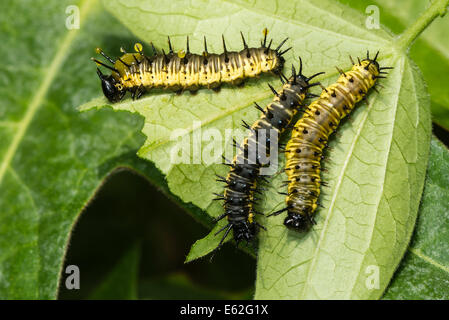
244,231
298,222
110,90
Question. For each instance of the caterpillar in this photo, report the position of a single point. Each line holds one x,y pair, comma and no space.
304,151
138,73
241,181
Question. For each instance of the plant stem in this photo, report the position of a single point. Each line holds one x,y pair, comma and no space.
437,8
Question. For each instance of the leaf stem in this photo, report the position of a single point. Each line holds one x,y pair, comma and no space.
437,8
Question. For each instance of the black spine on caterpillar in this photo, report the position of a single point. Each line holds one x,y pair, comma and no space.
137,72
241,182
304,151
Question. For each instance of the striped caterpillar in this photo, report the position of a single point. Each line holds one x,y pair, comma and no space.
138,73
241,181
304,151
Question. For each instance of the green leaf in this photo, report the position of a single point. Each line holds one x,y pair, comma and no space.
369,212
121,281
424,273
52,158
49,167
378,162
432,43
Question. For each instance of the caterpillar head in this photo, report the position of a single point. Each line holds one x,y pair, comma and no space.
244,232
298,222
109,86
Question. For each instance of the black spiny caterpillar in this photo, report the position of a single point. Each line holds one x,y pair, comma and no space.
241,182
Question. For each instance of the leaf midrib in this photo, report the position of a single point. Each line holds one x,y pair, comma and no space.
334,197
36,101
417,252
401,71
34,105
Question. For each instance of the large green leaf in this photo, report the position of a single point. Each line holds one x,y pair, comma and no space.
370,210
49,168
377,166
52,157
424,273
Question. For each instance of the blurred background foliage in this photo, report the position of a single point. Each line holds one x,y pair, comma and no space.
132,238
139,226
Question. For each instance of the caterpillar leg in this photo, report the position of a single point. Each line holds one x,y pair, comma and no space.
228,228
260,226
276,213
241,84
220,217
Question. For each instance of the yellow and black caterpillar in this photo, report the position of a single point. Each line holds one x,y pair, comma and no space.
241,182
137,73
304,151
